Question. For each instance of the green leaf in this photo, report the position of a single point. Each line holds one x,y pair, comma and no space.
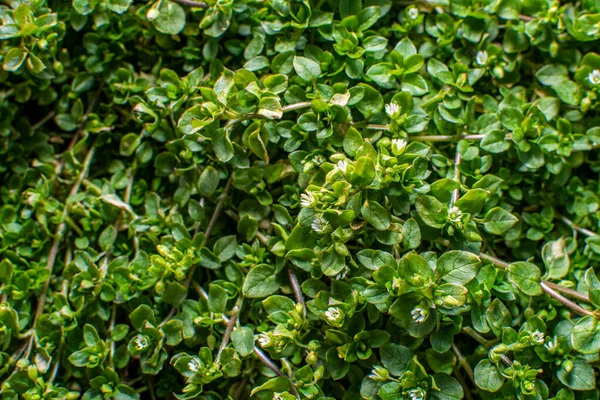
243,340
363,172
457,266
498,221
556,259
260,282
580,375
167,16
14,59
107,238
395,358
586,335
376,215
487,376
306,68
526,277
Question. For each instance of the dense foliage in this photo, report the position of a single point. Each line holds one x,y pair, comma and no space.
299,199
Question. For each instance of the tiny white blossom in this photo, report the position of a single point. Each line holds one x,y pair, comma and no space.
342,165
264,340
551,343
398,146
392,109
454,214
318,159
419,314
332,313
320,225
152,13
140,343
482,57
594,77
537,337
413,13
194,365
417,394
307,200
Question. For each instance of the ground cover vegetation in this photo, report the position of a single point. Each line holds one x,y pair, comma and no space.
299,199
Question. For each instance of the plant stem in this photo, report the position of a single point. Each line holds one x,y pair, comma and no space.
497,262
579,229
463,362
191,3
258,352
461,381
263,239
217,212
60,231
567,291
295,286
566,302
230,325
42,121
483,341
549,288
457,162
84,119
207,233
240,389
297,106
444,138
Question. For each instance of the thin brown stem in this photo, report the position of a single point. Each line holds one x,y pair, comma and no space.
567,291
444,138
230,325
60,231
579,229
297,106
263,239
566,302
295,286
258,352
463,362
84,119
240,389
197,4
497,262
42,121
218,208
461,381
209,229
484,342
457,162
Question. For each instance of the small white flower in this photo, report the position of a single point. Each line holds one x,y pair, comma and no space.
537,337
264,340
482,57
594,77
307,200
342,166
332,313
194,365
454,214
551,343
417,394
318,159
419,314
320,225
398,146
392,109
413,13
140,343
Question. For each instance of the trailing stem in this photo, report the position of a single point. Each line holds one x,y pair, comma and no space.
258,352
550,289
